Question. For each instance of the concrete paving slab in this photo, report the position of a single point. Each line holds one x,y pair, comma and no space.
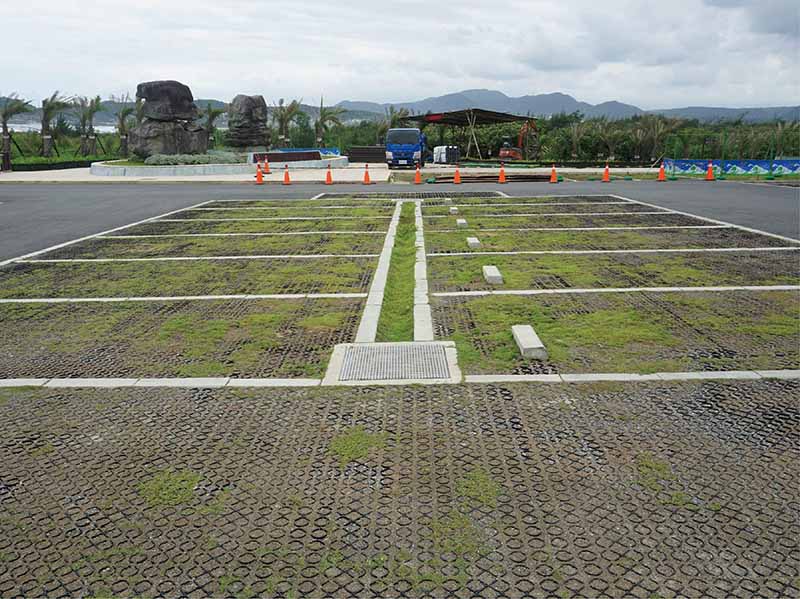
528,342
473,242
491,275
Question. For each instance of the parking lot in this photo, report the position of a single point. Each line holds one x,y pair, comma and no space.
654,453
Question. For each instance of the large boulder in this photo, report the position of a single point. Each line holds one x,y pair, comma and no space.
247,121
167,101
161,137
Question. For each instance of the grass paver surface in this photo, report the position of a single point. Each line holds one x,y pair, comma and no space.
545,208
293,204
254,338
396,322
647,490
578,220
205,277
220,246
510,241
256,226
300,212
464,273
577,199
626,332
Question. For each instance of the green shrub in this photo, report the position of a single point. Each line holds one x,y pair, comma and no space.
181,159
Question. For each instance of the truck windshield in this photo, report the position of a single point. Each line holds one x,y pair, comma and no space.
402,136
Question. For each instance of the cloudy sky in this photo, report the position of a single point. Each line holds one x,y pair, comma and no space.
652,54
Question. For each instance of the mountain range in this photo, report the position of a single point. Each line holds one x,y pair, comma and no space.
554,103
539,105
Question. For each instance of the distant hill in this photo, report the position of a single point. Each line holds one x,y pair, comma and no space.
535,105
554,103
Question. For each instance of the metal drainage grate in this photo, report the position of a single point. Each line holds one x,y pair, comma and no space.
409,195
393,361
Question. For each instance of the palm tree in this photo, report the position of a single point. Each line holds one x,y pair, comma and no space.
576,133
328,115
639,136
11,107
85,109
392,120
212,114
123,124
51,108
609,134
284,115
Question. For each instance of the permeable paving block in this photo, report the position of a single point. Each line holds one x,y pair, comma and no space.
642,239
575,199
172,227
558,271
292,204
155,247
578,220
203,277
286,212
625,332
546,208
252,339
514,490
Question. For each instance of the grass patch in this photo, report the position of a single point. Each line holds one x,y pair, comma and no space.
397,311
355,444
480,487
42,450
653,471
169,487
455,533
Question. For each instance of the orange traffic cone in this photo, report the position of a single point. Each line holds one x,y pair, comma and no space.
710,172
661,175
457,177
286,179
366,175
259,175
606,175
553,175
502,177
418,176
266,165
328,177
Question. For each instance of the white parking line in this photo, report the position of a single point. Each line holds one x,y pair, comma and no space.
710,220
387,207
590,377
519,204
577,291
625,228
190,258
87,237
285,233
506,215
568,252
270,218
179,298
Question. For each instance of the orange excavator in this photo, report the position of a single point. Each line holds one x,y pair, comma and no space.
527,143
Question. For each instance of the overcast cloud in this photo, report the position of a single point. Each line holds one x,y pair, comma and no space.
654,55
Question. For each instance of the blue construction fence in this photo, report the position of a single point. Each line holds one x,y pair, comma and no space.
790,166
322,151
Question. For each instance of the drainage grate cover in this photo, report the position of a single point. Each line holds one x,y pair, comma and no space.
391,361
409,195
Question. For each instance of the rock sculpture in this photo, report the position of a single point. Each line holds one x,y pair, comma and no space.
168,126
247,121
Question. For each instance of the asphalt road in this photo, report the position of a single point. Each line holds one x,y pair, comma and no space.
37,216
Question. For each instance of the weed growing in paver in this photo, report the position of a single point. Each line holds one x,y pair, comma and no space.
169,487
652,471
42,450
217,505
225,582
397,311
479,486
355,444
456,534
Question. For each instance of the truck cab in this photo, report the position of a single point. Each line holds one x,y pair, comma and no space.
405,147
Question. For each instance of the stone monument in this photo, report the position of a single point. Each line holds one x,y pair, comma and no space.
168,126
247,121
